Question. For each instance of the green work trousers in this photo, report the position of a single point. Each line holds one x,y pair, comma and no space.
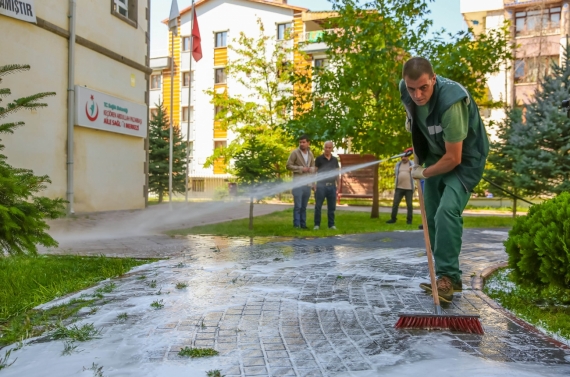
445,199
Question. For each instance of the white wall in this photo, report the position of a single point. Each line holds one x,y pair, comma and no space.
219,15
109,167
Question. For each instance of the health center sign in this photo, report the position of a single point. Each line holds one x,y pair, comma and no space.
107,113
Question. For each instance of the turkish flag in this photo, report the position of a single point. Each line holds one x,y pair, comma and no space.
196,40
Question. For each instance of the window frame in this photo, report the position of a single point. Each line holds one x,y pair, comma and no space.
159,86
225,39
184,74
185,43
188,114
131,9
279,25
225,77
548,13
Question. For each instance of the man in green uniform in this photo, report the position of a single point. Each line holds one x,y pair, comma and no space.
451,146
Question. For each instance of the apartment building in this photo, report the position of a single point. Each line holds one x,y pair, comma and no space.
220,22
106,74
539,29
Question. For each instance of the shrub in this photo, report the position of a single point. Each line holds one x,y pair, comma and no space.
539,244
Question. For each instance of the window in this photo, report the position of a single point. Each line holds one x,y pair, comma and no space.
282,30
222,39
185,114
153,113
534,21
185,43
530,70
155,82
320,63
198,185
186,78
126,10
217,110
220,144
220,76
123,7
285,66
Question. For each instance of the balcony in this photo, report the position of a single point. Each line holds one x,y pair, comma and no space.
471,6
553,29
160,63
311,41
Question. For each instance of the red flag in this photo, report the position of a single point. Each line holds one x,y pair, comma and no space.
197,45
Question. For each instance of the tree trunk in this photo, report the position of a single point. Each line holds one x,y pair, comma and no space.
251,213
374,214
514,207
160,197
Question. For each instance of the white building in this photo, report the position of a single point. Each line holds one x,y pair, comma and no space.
220,22
108,121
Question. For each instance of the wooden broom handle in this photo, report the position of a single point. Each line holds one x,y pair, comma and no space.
428,243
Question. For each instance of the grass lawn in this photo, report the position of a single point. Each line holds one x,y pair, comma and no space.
347,222
547,308
28,281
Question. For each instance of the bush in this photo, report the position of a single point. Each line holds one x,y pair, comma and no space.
539,244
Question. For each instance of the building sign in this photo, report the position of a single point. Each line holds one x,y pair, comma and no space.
21,9
103,112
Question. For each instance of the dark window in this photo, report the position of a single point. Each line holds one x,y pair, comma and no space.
282,30
533,69
220,76
320,63
221,39
217,110
153,113
186,78
127,10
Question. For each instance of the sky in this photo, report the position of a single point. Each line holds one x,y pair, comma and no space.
445,14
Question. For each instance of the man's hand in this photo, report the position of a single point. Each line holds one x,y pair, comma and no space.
306,170
418,172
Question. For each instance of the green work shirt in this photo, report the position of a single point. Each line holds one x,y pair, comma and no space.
454,124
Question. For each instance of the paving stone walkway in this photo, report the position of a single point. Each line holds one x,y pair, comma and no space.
292,307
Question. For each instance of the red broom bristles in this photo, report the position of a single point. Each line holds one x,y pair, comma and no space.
463,323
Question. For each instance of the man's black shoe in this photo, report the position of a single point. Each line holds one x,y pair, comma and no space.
304,227
409,223
421,227
391,221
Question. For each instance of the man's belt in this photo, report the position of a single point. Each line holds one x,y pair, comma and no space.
326,184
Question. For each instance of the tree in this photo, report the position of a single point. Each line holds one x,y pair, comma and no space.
541,140
22,212
159,155
259,151
356,100
502,157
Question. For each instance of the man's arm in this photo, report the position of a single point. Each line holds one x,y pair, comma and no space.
291,165
448,162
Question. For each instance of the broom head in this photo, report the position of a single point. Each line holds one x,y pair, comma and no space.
455,322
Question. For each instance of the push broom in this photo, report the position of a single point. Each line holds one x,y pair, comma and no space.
438,320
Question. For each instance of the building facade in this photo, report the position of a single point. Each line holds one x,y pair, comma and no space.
220,22
539,30
109,121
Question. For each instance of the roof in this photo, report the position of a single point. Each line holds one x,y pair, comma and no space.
266,2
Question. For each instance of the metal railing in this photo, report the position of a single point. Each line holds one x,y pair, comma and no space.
314,36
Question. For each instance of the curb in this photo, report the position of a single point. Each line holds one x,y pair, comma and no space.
477,283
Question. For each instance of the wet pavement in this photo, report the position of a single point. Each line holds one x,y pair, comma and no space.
293,307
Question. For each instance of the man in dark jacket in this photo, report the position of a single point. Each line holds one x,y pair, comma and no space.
451,146
404,189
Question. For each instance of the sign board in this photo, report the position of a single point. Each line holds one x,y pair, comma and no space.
101,111
21,9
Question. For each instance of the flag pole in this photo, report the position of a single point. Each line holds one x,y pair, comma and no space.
171,119
189,98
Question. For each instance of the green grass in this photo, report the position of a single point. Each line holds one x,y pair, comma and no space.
197,352
28,281
75,333
347,222
545,307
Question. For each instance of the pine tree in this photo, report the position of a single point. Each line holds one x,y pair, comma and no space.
503,156
542,139
22,213
159,152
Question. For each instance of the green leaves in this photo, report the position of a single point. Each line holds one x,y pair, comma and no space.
159,155
22,212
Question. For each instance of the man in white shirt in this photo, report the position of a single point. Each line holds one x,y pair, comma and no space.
404,188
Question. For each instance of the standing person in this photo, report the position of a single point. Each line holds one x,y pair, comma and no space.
404,188
302,163
451,147
326,188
